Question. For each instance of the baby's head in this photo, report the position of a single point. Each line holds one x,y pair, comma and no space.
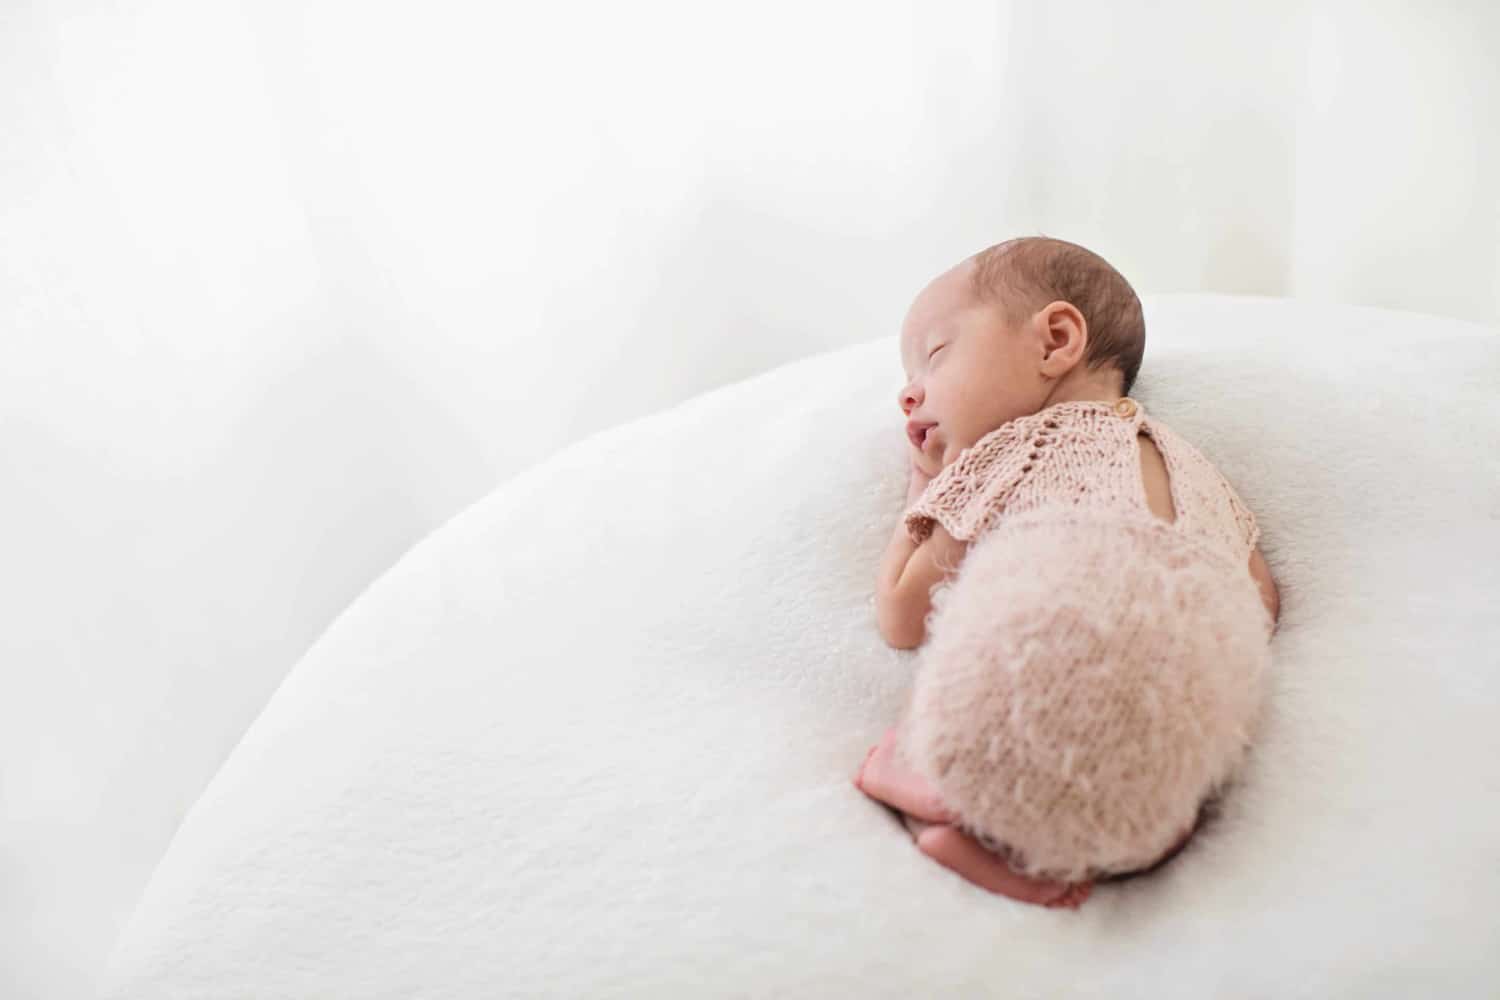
1010,331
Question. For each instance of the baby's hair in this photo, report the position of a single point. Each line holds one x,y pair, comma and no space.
1026,273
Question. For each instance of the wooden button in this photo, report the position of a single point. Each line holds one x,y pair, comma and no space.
1125,407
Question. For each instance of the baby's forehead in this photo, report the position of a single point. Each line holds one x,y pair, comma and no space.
944,296
908,344
925,312
933,310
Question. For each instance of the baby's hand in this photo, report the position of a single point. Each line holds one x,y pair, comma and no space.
918,485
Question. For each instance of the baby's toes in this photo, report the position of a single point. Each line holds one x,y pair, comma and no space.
1073,896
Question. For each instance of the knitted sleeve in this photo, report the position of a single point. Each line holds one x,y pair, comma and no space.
970,493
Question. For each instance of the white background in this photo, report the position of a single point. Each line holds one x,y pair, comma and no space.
286,285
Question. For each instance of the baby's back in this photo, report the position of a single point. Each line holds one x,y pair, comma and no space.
1088,459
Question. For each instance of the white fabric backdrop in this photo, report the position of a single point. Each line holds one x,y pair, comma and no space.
285,285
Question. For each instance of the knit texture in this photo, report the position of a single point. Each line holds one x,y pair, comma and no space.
1093,672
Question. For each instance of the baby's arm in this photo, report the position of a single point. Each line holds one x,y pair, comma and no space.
908,572
1269,593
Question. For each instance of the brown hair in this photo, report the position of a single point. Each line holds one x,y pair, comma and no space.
1026,273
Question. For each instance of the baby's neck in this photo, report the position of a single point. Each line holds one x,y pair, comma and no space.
1103,389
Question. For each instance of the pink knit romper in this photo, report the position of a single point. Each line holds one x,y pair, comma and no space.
1093,672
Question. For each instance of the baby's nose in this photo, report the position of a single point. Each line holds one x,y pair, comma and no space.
907,399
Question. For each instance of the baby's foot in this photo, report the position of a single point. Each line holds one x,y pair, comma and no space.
885,779
914,826
956,850
1074,897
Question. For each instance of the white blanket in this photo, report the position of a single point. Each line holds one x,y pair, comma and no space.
594,737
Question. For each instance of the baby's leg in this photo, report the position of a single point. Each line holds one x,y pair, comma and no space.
956,850
885,778
965,856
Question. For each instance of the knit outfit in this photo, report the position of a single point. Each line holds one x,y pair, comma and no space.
1094,672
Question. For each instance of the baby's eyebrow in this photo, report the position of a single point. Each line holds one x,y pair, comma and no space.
919,339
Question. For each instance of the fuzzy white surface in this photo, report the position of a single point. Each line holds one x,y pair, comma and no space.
594,737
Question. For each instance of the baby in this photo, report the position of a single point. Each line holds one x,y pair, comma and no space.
1094,674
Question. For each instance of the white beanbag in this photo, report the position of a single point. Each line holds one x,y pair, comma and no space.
595,736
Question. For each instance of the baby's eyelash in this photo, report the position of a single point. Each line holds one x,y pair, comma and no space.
935,350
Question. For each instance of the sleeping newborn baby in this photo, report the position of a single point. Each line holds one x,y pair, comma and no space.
1093,671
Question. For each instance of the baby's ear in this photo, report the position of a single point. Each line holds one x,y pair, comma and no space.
1064,335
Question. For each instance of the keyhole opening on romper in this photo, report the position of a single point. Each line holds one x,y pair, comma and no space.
1154,478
